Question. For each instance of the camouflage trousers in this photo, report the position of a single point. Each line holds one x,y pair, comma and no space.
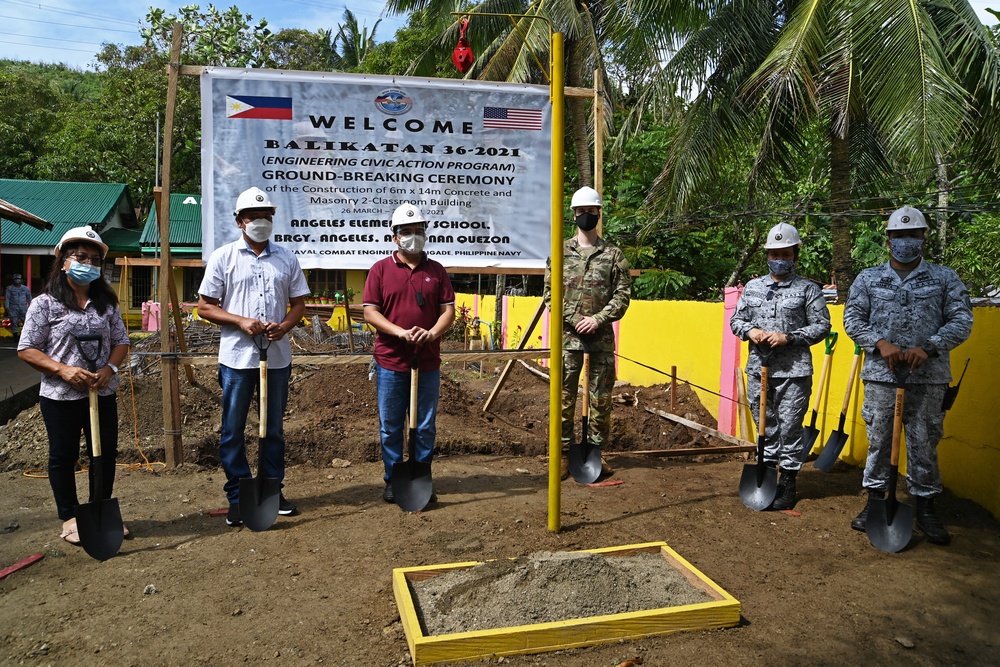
787,403
602,381
923,426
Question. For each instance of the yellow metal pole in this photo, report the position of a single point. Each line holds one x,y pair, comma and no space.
556,307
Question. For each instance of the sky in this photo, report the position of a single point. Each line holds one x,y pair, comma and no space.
72,32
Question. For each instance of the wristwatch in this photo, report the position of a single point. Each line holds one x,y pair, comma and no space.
114,369
790,338
930,349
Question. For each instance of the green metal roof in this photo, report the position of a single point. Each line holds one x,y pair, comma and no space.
185,226
122,240
65,205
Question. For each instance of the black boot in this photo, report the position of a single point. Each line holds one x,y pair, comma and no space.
785,499
861,520
928,522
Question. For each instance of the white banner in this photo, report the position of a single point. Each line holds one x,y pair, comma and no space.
337,153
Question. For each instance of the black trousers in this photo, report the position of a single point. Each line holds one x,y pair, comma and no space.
64,420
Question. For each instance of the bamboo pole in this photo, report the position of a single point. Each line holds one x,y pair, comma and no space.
172,446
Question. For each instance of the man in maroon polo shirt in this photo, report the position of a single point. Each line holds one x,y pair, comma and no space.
409,300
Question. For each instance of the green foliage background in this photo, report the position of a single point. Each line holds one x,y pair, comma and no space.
57,123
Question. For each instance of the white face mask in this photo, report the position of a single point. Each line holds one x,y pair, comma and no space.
259,230
412,244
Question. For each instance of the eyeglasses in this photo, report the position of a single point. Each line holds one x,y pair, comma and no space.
84,258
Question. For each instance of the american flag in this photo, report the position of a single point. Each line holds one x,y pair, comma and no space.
512,119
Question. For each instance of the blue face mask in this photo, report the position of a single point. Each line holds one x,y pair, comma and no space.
780,267
906,249
83,274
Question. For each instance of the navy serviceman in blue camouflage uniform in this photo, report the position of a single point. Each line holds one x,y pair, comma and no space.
597,289
787,314
907,313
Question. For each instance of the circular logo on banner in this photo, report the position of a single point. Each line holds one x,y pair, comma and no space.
393,102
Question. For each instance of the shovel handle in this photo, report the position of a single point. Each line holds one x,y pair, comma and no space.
897,426
763,403
95,424
414,381
831,342
263,396
585,371
850,380
822,378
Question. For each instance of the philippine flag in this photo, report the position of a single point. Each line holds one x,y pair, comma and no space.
249,106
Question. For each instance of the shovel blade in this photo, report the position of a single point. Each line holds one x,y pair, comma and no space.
809,436
585,463
831,451
259,500
101,528
758,486
412,484
889,525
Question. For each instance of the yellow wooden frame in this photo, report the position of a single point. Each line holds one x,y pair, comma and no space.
723,611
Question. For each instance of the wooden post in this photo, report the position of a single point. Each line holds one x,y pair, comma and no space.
520,345
673,389
172,445
175,306
599,141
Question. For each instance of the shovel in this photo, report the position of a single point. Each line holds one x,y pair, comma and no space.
260,496
810,433
890,522
585,458
759,482
99,522
835,443
411,479
951,393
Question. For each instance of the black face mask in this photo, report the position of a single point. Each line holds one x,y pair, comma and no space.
587,221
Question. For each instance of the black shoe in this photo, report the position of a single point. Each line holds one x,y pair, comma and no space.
286,507
387,494
434,497
861,520
785,498
928,522
233,515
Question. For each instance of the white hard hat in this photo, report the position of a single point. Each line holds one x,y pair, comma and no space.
253,198
782,235
407,214
586,197
82,234
906,218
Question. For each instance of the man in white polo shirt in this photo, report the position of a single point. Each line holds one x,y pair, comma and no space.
255,290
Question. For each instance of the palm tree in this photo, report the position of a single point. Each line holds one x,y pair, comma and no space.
896,84
353,43
507,51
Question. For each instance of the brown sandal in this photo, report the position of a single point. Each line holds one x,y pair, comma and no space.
70,532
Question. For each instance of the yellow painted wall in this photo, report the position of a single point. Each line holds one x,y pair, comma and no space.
688,335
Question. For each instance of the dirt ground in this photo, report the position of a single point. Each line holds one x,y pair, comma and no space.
316,588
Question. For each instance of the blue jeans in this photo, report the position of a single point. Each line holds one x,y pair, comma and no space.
394,403
238,387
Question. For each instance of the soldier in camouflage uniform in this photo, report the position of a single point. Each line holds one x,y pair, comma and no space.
597,289
783,313
907,314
